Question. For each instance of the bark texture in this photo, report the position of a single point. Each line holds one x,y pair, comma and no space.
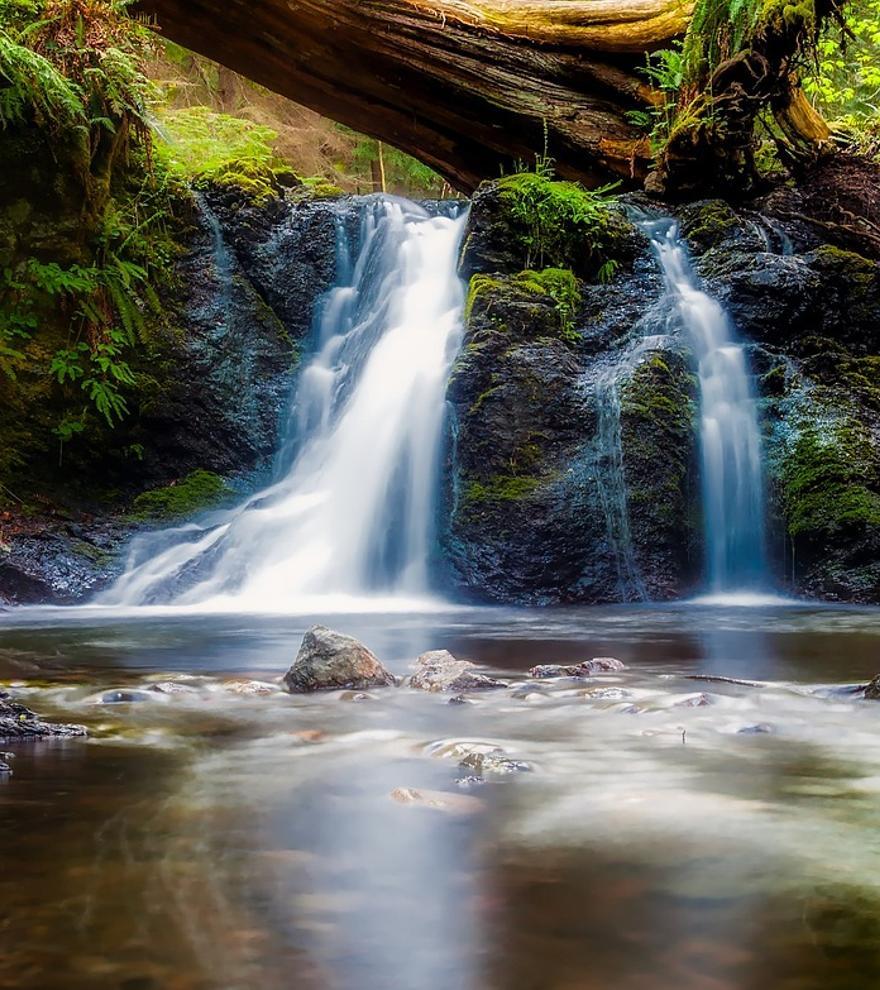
468,86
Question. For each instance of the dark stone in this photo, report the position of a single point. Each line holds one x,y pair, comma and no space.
124,697
872,689
499,240
586,668
329,661
18,722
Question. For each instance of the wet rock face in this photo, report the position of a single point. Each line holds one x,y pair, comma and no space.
20,723
813,309
249,285
528,518
440,671
58,562
331,661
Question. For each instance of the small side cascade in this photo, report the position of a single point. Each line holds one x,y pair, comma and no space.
730,440
611,476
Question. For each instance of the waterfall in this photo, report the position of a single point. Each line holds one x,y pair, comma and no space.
351,512
730,441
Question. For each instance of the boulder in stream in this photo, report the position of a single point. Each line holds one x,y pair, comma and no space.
872,689
586,668
18,722
439,670
332,661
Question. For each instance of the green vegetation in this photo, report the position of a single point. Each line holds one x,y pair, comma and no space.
562,287
563,224
830,480
845,81
196,492
206,148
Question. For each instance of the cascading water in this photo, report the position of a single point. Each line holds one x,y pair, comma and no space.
352,512
730,441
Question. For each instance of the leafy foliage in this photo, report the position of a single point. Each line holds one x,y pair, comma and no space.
555,214
845,81
74,64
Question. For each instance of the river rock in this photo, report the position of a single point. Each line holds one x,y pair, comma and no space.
494,762
439,670
173,688
872,689
18,722
694,701
758,729
332,661
586,668
249,688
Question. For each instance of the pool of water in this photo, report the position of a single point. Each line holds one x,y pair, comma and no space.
707,818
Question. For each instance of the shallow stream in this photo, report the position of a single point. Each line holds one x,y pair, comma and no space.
659,828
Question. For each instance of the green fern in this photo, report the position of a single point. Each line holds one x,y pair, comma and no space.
32,85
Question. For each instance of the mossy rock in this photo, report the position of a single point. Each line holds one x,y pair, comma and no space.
197,492
658,412
831,482
528,221
708,223
552,295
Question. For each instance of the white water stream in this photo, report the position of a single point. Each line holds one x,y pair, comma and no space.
352,511
730,441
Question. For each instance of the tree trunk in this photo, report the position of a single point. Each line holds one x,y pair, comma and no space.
468,86
474,87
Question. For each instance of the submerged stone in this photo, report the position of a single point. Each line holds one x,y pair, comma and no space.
330,661
455,804
439,670
124,697
759,729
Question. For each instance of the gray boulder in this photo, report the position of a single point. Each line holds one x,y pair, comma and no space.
439,670
331,661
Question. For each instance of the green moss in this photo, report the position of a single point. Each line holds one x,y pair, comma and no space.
562,287
500,488
564,225
657,415
321,188
829,481
196,492
556,284
481,286
707,223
